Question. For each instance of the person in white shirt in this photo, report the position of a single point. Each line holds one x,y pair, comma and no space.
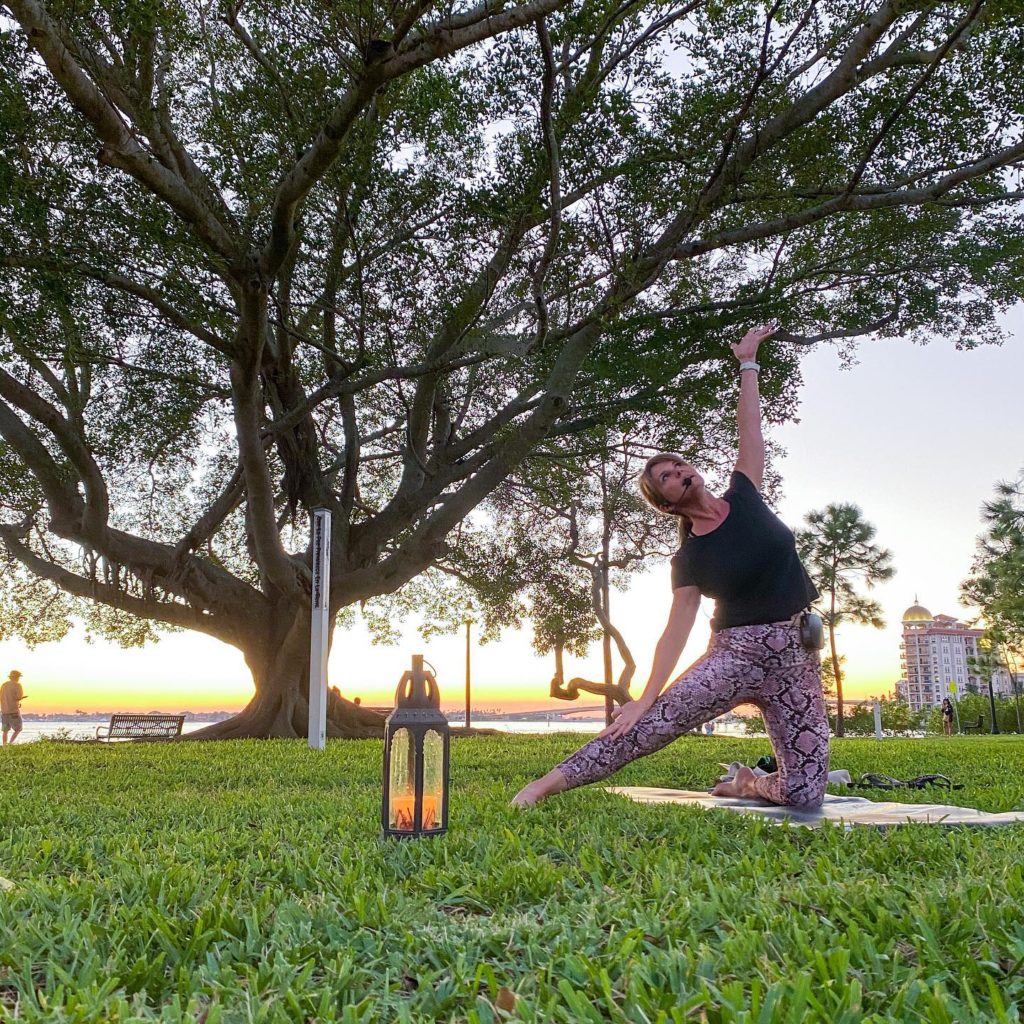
11,696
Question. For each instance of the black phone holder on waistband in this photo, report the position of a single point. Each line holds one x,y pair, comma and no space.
812,632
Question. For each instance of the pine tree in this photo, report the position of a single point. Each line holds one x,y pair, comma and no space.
837,548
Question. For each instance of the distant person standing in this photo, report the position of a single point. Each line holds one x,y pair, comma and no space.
947,716
11,696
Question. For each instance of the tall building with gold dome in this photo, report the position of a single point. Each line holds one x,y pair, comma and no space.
933,654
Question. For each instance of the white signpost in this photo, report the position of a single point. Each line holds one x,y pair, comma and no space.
318,628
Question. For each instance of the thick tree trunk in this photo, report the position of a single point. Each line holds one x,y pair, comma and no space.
280,707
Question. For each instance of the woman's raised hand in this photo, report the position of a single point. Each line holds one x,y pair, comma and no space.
746,347
625,718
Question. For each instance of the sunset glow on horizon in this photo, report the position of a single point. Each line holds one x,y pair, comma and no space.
148,679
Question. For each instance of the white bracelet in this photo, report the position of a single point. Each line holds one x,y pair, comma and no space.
749,365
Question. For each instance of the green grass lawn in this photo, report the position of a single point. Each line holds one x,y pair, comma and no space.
246,882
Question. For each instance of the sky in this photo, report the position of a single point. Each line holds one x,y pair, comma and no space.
917,436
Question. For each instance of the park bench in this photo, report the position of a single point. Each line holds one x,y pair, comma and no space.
141,727
973,726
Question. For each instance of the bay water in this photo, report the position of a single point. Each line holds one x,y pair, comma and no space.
77,729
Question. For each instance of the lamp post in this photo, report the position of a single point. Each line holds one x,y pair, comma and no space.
469,622
416,742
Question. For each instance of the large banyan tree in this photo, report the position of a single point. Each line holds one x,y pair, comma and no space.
257,258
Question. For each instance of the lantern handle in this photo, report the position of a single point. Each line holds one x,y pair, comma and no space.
433,695
418,688
403,693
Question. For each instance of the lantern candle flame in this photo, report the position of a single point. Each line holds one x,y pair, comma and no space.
403,809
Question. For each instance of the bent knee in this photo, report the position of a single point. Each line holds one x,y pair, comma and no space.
809,803
803,794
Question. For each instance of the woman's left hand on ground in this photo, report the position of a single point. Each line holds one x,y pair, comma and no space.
746,347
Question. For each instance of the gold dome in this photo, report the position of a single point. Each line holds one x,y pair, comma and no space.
917,613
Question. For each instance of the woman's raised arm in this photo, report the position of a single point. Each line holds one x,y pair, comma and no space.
748,414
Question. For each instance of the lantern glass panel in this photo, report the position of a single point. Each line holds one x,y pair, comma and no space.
433,779
402,781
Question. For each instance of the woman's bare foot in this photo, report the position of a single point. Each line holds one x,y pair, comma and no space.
540,789
741,785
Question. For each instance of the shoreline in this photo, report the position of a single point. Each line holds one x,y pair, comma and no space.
84,730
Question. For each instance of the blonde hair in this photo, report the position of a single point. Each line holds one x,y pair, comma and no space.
657,500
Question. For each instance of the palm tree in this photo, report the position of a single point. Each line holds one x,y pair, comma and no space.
838,551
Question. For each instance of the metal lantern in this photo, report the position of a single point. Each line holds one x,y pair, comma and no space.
416,759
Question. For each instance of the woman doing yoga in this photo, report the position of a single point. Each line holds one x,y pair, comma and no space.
737,551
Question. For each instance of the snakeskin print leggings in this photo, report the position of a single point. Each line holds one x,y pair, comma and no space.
762,665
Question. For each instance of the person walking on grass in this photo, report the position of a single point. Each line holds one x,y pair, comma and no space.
947,716
737,551
11,696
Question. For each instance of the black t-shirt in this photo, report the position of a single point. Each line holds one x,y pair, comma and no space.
748,563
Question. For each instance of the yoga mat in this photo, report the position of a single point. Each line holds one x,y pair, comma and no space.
844,810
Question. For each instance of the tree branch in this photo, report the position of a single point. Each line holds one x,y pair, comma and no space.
63,501
171,313
433,43
854,332
120,147
172,613
854,202
922,80
239,31
551,149
275,566
209,522
71,443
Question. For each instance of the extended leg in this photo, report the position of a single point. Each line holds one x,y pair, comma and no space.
711,686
